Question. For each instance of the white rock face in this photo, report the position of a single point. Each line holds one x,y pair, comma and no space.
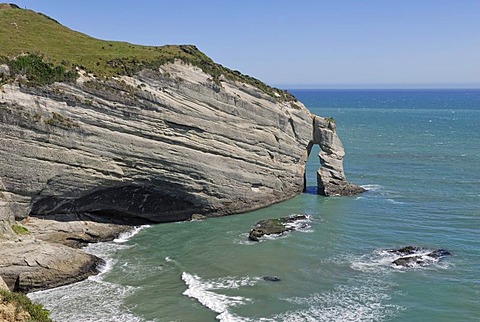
157,147
331,180
162,146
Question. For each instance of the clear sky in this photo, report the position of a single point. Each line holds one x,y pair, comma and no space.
303,43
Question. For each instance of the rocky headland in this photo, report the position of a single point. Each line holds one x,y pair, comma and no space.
87,152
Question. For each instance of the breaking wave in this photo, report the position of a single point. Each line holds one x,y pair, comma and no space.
344,303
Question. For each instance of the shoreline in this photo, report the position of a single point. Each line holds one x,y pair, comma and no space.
51,254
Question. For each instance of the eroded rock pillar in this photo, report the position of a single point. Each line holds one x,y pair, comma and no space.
331,180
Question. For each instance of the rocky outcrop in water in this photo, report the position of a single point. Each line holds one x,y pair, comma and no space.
277,226
331,180
411,256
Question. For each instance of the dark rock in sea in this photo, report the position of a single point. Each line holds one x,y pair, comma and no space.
409,261
439,253
271,279
417,256
275,226
407,250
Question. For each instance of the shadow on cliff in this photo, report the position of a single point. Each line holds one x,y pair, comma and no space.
311,190
130,204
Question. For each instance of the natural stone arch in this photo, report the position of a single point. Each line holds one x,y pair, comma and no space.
331,180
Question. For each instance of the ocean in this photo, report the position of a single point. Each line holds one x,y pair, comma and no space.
417,152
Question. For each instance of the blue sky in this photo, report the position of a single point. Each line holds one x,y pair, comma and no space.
300,44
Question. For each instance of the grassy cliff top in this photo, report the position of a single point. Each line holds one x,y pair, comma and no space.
25,31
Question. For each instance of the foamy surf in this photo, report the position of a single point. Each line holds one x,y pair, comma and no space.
124,237
383,259
93,299
343,303
203,291
372,187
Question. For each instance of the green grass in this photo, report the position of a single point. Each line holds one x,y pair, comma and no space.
20,230
36,311
330,119
25,31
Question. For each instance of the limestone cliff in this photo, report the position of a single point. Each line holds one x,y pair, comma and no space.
159,146
169,137
331,180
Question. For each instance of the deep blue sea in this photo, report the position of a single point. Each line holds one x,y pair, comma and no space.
418,154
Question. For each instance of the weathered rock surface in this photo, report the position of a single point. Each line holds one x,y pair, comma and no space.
74,230
3,286
4,71
156,147
41,258
164,145
276,226
31,264
331,180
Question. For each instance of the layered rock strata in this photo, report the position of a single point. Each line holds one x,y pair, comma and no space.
331,180
164,145
46,255
157,147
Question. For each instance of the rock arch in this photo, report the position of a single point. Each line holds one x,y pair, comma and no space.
331,180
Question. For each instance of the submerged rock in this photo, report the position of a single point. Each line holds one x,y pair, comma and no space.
271,279
276,226
439,253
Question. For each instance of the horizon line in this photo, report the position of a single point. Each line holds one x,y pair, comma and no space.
469,86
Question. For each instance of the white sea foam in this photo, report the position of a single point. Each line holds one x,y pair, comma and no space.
395,202
343,303
203,291
93,299
124,237
300,225
372,187
87,301
383,259
366,302
242,239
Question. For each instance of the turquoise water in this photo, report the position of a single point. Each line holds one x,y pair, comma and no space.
418,153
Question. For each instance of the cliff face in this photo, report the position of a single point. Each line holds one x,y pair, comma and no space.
177,136
156,147
331,180
159,146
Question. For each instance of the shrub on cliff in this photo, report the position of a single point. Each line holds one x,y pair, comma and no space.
23,303
39,72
